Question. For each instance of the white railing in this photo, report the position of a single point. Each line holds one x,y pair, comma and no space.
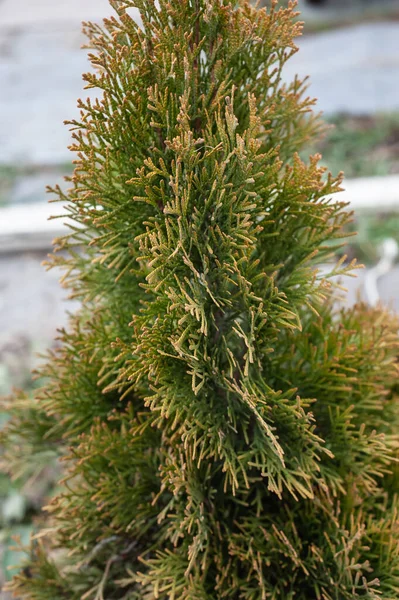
372,193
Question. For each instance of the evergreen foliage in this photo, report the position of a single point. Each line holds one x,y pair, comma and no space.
226,431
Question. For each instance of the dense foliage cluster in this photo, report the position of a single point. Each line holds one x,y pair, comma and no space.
226,431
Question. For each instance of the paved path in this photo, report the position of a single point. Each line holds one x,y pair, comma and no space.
353,69
337,11
30,297
41,64
25,13
32,308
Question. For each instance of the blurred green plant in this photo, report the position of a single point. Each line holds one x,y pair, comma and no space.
361,146
11,174
21,497
372,229
8,174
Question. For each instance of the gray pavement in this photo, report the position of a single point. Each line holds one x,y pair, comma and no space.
41,66
32,307
335,11
25,13
30,296
353,69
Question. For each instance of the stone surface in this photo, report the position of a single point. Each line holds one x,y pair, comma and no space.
354,69
41,66
40,81
333,11
32,187
24,13
31,299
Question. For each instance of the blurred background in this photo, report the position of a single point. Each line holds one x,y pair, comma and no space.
350,49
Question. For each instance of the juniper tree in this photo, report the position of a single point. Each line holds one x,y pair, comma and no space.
226,430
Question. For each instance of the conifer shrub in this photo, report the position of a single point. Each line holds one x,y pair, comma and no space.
226,430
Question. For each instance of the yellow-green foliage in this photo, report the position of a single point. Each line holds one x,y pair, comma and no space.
228,433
